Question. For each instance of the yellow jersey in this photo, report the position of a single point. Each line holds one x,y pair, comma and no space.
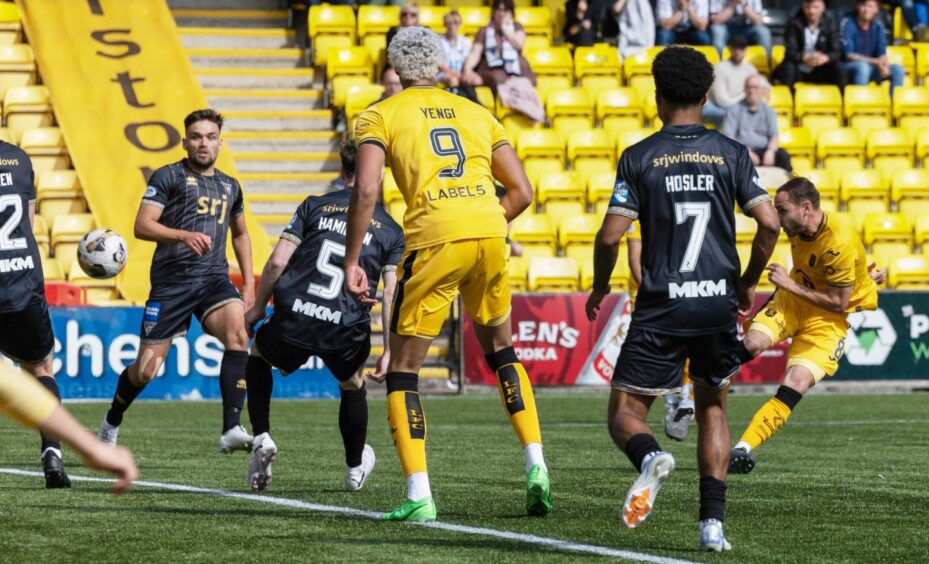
438,147
23,398
834,256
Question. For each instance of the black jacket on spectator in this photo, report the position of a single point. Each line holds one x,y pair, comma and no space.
828,42
596,9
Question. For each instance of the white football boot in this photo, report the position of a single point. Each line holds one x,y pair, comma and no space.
641,496
235,439
108,433
264,452
356,477
711,536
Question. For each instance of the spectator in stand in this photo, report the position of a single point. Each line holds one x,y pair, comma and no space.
729,18
409,16
496,53
753,123
864,42
916,16
391,81
456,48
813,48
636,23
683,21
582,21
729,82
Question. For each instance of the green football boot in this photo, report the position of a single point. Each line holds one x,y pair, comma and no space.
420,511
538,492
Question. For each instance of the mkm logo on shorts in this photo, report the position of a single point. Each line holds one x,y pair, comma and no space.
150,316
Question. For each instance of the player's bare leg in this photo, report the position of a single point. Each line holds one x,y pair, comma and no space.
496,340
626,422
353,426
407,422
132,381
55,476
712,462
227,323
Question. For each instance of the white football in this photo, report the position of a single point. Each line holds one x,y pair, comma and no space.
102,253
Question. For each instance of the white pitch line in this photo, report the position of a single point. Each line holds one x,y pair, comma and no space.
297,504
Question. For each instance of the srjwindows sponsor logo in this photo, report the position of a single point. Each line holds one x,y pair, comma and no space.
696,157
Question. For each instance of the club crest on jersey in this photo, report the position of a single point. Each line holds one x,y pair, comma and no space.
620,193
150,192
191,181
757,182
227,187
150,316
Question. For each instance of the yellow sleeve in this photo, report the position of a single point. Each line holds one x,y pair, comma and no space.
499,134
23,398
839,262
370,128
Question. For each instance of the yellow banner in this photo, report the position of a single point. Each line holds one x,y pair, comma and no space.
121,86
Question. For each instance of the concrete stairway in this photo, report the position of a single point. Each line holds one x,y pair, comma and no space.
277,127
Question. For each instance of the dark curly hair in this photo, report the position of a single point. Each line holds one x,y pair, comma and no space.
682,75
348,157
208,114
801,190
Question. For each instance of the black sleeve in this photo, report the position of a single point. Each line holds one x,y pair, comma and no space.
834,40
238,206
160,187
625,198
793,42
749,189
295,231
395,252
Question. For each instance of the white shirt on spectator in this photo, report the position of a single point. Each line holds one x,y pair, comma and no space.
729,84
738,16
666,9
456,54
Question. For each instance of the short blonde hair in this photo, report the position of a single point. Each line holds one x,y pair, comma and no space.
416,53
453,15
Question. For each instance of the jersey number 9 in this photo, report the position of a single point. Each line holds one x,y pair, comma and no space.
446,142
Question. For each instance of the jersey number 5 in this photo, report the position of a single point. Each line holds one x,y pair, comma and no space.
446,142
7,243
323,266
700,211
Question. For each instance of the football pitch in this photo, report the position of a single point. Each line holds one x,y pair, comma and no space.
846,480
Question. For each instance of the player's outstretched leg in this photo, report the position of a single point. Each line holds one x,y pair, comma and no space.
353,425
55,475
264,452
677,421
519,403
407,422
232,385
765,423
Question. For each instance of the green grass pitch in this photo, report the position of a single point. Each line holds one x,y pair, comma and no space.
846,480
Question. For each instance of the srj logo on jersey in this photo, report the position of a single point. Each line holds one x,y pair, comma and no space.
150,316
620,194
871,337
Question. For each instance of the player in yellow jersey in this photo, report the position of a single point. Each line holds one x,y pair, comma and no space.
830,279
445,152
22,398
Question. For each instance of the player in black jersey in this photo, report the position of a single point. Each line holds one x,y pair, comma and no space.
187,209
682,184
314,316
25,328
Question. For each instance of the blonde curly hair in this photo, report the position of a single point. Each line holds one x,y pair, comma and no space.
416,53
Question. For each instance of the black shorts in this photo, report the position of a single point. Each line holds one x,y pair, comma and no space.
26,336
651,363
169,306
287,357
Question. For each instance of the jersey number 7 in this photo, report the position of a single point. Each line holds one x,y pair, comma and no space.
700,211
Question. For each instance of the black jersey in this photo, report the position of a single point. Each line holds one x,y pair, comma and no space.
682,184
310,300
192,202
21,279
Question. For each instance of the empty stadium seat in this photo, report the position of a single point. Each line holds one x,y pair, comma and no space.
867,107
888,235
553,68
473,18
373,24
515,123
518,269
620,277
11,27
638,64
864,192
557,274
51,270
630,137
798,141
922,62
46,147
534,231
600,187
570,109
6,135
818,106
348,67
890,149
841,148
26,107
826,182
745,228
329,27
909,190
67,232
97,289
910,101
645,86
781,101
620,109
536,168
357,98
597,68
903,55
588,166
578,230
921,234
17,66
40,232
560,186
58,192
433,17
536,20
594,143
540,144
922,147
560,209
909,272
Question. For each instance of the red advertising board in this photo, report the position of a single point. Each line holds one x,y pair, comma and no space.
554,341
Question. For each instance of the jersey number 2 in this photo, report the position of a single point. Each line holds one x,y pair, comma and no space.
700,211
336,275
446,142
6,243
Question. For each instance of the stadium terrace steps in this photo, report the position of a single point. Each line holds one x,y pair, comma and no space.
254,78
235,38
224,4
231,18
257,120
286,182
287,162
285,141
204,57
264,100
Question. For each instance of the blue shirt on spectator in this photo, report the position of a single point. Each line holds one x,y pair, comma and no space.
871,42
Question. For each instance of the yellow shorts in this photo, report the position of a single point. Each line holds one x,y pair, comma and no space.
431,278
818,335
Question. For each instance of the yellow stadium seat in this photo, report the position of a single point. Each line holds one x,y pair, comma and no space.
827,184
745,228
910,101
6,135
26,107
357,98
619,278
777,55
540,144
922,147
818,106
40,232
841,148
888,235
890,149
630,137
560,186
373,24
600,187
515,123
557,274
864,192
570,109
645,86
909,190
756,55
909,272
867,107
638,64
781,256
348,67
533,251
97,289
433,17
473,18
595,143
903,55
537,42
46,147
59,192
534,231
620,108
17,66
553,67
330,27
535,20
537,168
914,123
921,233
798,141
579,229
51,269
922,62
597,62
584,167
519,273
782,102
558,210
583,255
67,232
485,97
11,27
710,52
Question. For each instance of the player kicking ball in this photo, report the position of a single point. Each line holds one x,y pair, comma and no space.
830,279
682,184
188,208
314,316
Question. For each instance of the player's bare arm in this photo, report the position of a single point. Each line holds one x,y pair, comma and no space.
879,275
360,211
242,247
507,169
769,228
833,298
147,228
276,264
635,260
606,248
390,288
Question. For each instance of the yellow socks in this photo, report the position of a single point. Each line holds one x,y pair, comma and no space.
770,418
407,421
516,394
